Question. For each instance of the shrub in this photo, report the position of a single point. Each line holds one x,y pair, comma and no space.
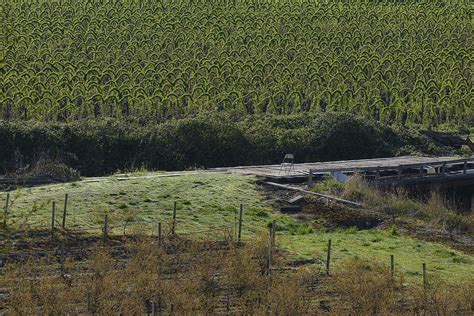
367,288
329,185
96,147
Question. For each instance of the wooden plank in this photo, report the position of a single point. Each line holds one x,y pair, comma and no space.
329,197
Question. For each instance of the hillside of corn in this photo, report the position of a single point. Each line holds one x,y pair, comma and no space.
398,62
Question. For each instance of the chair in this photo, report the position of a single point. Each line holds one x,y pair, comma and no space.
287,164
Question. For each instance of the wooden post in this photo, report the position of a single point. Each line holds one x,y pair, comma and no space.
235,224
5,212
159,234
239,236
62,256
377,177
392,265
53,211
421,172
173,227
443,169
328,258
64,212
425,280
464,169
270,246
310,179
273,231
106,227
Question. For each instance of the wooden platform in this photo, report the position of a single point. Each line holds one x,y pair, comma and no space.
302,169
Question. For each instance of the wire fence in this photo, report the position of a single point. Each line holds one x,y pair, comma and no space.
63,219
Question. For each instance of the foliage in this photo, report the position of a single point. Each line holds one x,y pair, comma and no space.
400,62
328,185
96,147
186,277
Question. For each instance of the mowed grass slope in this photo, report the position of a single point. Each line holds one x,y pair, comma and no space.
203,201
209,200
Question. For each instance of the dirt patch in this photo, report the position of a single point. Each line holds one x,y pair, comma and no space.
334,216
464,243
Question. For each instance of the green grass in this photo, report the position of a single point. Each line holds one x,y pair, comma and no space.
409,253
203,201
208,200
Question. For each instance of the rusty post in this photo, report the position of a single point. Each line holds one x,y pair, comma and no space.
328,258
63,226
425,280
239,236
105,230
53,211
392,265
173,225
159,234
5,211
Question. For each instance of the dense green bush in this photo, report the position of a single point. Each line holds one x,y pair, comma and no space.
104,146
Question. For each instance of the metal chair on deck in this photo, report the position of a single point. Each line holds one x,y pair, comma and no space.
287,164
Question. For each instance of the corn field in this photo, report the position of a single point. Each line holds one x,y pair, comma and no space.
399,62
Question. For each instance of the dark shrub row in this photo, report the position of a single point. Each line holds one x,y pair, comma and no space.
105,146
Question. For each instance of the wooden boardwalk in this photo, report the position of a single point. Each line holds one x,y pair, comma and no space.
393,168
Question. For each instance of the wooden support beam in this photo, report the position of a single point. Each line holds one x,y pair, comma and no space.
310,179
328,197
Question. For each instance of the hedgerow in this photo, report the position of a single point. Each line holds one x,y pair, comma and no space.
96,147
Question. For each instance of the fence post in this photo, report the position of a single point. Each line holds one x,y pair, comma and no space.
443,169
328,258
62,256
53,211
310,179
421,172
235,224
65,211
239,236
377,177
392,265
5,212
173,227
159,234
464,169
270,250
273,231
106,227
399,173
425,280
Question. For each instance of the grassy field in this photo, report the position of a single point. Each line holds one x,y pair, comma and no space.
442,262
206,200
203,201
